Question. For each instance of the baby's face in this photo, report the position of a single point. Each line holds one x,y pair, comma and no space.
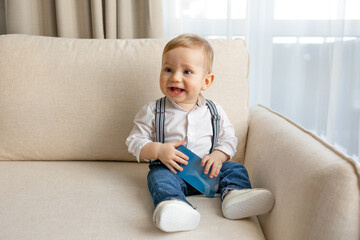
182,75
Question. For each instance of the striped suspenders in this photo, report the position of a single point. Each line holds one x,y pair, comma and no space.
215,121
160,121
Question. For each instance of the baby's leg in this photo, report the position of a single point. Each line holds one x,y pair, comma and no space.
233,176
239,200
172,211
165,185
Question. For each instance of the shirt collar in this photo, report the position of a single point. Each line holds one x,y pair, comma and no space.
200,103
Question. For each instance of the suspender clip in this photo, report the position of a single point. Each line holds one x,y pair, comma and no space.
216,117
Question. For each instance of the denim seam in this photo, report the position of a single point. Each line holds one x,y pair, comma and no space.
155,190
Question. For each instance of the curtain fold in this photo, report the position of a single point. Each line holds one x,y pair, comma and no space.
85,18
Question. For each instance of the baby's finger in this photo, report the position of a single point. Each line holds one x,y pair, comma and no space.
218,170
176,144
176,166
182,155
171,168
214,170
181,160
204,160
208,165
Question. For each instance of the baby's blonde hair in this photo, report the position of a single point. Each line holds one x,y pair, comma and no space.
189,40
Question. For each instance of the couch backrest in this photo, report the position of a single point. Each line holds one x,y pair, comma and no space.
75,99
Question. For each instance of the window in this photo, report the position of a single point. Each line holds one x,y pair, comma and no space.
304,56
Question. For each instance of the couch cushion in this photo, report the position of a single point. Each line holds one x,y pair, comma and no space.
75,99
96,200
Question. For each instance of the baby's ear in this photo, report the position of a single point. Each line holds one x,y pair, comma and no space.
208,81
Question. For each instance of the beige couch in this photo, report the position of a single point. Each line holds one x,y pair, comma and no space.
66,108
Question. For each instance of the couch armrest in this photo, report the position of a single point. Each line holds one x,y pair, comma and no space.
316,187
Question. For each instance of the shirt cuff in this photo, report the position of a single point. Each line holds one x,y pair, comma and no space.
138,146
227,150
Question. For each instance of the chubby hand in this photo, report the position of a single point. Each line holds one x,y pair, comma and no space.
171,157
214,161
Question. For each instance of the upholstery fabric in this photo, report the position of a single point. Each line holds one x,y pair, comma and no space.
96,200
75,99
317,188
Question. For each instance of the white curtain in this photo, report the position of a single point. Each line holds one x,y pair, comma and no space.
305,56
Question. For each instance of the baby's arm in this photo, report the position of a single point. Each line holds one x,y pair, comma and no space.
167,153
225,147
141,141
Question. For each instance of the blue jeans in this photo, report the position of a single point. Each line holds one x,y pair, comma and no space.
165,185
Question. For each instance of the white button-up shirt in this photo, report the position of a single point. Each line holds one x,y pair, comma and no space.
193,126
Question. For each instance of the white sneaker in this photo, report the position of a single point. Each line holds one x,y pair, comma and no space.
175,215
247,202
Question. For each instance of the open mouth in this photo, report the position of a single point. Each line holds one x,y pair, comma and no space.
176,91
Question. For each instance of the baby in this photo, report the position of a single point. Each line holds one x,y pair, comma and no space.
187,117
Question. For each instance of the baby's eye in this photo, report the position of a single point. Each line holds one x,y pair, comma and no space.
168,70
187,72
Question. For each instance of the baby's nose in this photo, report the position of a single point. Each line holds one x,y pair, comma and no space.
176,77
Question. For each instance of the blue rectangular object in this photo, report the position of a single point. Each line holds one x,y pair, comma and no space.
193,173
